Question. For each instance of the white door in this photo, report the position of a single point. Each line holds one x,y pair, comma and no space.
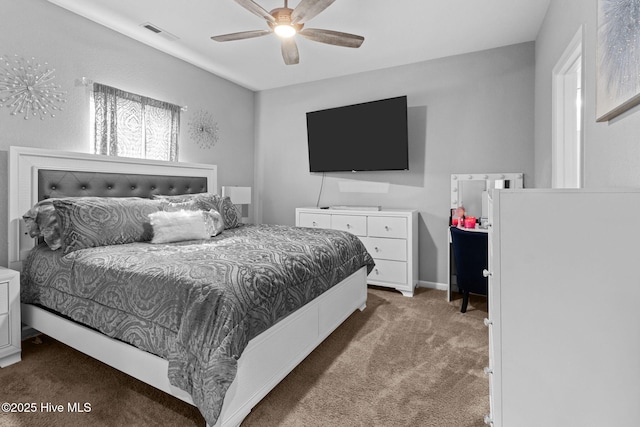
567,110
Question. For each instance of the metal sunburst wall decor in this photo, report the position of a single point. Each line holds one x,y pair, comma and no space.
204,129
27,88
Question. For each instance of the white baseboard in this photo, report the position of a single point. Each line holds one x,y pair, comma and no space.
433,285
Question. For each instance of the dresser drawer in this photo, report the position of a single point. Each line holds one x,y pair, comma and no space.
4,297
381,248
4,330
389,271
314,220
387,226
352,223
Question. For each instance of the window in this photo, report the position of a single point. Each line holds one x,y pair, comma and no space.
130,125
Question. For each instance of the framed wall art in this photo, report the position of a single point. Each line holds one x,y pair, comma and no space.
618,57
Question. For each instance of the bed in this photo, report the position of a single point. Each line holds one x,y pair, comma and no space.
163,352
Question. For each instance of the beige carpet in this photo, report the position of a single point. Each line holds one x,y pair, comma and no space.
402,362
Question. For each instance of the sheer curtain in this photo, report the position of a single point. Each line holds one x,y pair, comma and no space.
131,125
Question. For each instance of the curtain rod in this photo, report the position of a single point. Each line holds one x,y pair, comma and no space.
88,82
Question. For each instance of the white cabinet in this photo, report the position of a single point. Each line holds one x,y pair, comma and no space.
10,346
564,325
390,236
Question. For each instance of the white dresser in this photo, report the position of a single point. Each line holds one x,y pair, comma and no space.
10,329
564,323
390,236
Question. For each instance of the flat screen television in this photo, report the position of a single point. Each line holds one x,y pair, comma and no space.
362,137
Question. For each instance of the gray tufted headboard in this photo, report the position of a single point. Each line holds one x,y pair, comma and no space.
56,183
36,174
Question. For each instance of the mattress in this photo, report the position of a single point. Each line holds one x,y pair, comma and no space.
198,303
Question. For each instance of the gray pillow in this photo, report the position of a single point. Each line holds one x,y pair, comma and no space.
101,221
42,221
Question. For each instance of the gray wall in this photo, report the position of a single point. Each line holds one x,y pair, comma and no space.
471,113
611,150
468,113
76,47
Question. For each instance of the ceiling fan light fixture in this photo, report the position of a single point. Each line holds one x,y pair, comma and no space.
284,30
285,23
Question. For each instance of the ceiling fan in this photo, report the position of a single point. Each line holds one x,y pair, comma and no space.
286,23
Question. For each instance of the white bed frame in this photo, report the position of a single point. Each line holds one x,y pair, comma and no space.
265,362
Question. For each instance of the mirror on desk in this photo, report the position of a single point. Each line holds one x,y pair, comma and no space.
470,190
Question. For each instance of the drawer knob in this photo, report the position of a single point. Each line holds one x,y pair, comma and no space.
488,420
315,224
486,273
376,270
488,371
348,225
488,322
386,227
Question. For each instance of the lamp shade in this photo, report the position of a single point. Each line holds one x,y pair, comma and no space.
238,195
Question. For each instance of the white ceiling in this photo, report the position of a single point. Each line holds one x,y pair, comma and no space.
396,32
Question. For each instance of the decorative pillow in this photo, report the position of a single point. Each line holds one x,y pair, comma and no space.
179,198
179,206
178,226
223,205
101,221
206,202
42,221
213,221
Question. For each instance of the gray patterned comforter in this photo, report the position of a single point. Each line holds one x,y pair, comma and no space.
196,304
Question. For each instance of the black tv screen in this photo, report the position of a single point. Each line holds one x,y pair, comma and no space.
361,137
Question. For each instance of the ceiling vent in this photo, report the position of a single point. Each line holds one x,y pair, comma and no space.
159,31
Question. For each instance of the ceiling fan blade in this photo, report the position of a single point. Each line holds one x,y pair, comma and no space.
256,9
241,36
332,37
307,9
290,51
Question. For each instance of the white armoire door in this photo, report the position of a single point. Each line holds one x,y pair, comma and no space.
564,315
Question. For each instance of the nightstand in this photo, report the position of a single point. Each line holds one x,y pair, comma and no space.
10,347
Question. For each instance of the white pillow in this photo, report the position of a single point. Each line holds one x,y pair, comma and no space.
178,226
